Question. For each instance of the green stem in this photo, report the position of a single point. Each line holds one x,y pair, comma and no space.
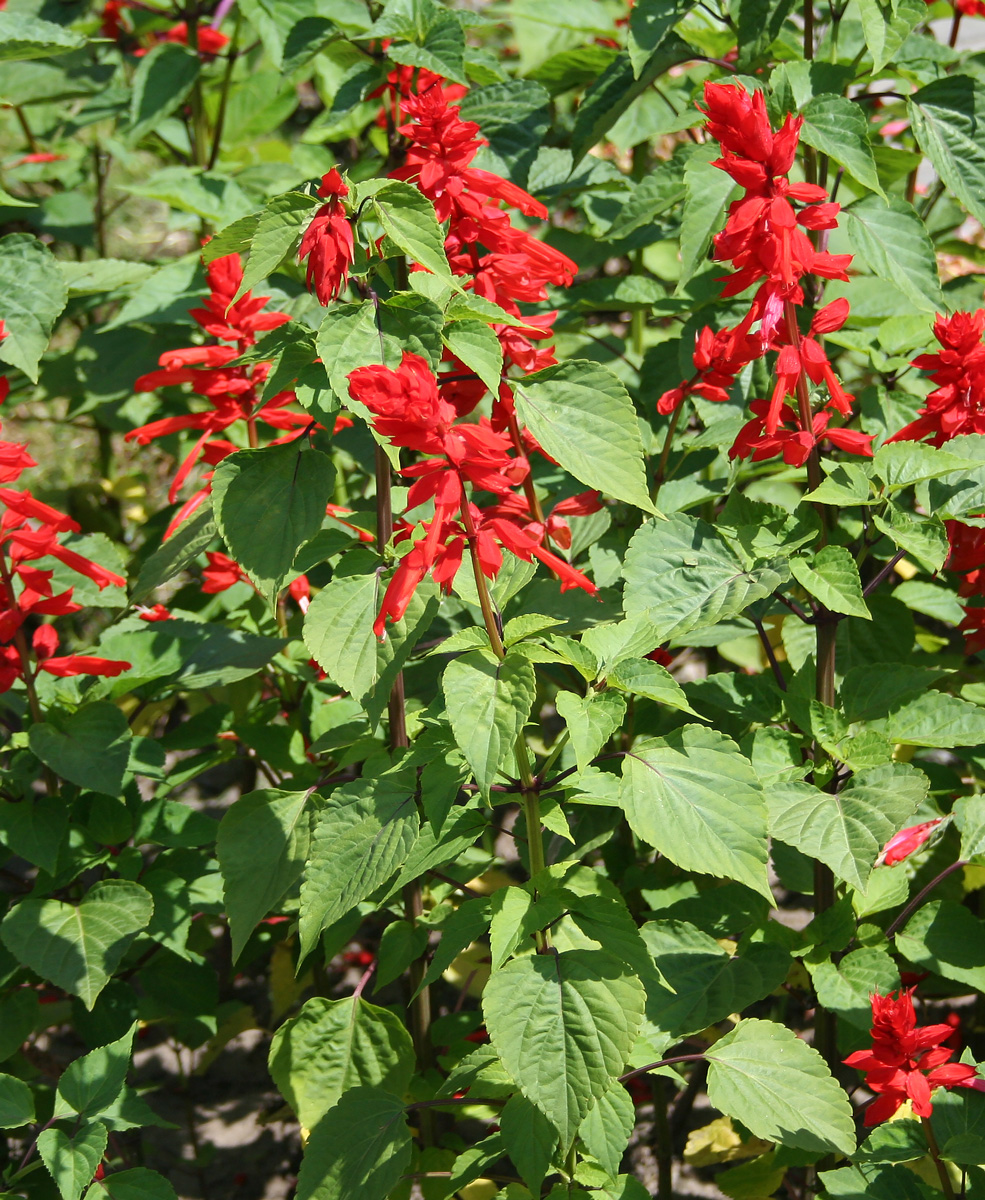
420,1006
227,77
661,475
663,1145
200,125
531,795
803,397
935,1153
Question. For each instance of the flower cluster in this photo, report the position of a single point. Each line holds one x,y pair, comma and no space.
904,1062
410,411
31,530
766,240
503,263
232,390
955,407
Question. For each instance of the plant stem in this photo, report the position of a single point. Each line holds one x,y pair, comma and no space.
227,77
662,1144
32,141
770,654
825,1028
529,787
420,1007
809,30
664,1062
803,398
661,473
952,40
935,1154
898,922
200,125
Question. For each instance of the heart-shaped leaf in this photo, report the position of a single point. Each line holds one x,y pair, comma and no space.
90,747
78,947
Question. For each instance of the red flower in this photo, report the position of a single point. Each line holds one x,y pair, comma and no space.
408,408
157,613
210,41
957,404
904,843
221,573
40,157
904,1062
327,243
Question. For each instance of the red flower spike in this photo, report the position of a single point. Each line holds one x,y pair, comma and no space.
906,1062
327,243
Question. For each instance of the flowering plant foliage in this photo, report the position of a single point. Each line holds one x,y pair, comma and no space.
492,599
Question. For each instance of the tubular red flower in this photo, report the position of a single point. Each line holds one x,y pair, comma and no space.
907,841
327,243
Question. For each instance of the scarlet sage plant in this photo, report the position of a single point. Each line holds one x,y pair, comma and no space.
492,600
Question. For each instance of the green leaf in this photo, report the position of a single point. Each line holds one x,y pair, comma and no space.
465,925
696,799
442,50
268,503
683,576
35,829
20,1012
139,1183
34,294
947,115
188,541
261,845
530,1140
893,242
97,275
944,937
834,580
78,947
361,1147
708,983
900,464
338,631
514,115
23,36
72,1161
606,1130
708,191
16,1103
92,1083
848,830
591,721
882,1182
161,82
923,538
363,833
886,25
409,220
838,128
616,89
969,816
334,1045
643,677
934,719
649,23
90,747
278,230
583,417
563,1025
763,1075
488,701
478,347
844,988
